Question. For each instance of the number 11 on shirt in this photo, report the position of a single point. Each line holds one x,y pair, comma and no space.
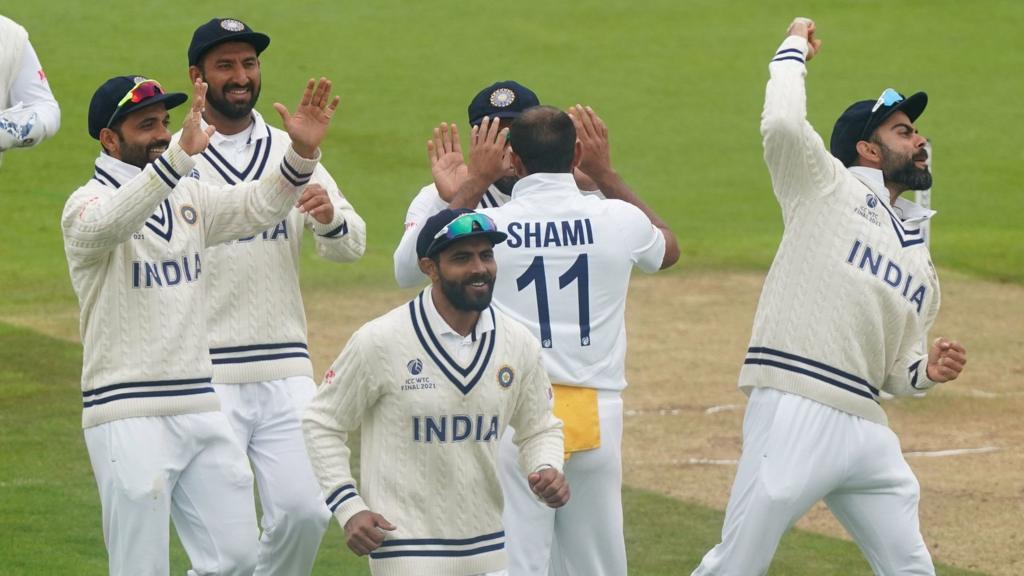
578,272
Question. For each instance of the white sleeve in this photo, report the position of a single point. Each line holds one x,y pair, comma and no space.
407,269
538,433
94,221
252,207
800,164
34,114
347,391
645,242
343,239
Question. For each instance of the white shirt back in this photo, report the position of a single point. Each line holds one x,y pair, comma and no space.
564,273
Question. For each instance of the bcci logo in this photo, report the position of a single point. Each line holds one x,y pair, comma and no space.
872,200
502,98
415,366
188,214
505,376
232,25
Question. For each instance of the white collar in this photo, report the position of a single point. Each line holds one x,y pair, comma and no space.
545,183
257,130
908,211
110,168
485,323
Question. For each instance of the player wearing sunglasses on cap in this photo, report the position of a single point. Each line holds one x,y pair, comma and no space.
134,237
433,385
844,312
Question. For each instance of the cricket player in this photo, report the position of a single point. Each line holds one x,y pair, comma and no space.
504,100
565,274
29,113
255,317
843,313
135,237
433,384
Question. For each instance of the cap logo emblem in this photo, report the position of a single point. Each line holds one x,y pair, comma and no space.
232,25
139,79
502,98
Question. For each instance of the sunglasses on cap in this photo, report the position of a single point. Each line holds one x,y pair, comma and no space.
465,225
888,99
143,90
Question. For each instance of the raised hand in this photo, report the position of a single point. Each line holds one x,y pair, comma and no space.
596,161
194,139
489,151
805,27
946,359
315,202
308,126
364,532
550,485
446,162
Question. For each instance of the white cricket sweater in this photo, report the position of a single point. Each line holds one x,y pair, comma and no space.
430,432
135,243
256,320
852,291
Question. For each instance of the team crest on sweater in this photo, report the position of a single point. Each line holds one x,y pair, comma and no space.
506,375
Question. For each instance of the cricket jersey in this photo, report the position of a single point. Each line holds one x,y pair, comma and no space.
135,242
852,291
564,273
431,416
256,320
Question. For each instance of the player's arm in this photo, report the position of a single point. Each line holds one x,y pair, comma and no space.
348,390
254,206
339,232
407,270
797,159
538,433
917,370
595,161
35,114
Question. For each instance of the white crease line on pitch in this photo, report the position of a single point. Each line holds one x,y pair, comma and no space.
723,408
955,452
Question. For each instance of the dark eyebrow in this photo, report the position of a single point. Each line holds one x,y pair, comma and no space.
904,125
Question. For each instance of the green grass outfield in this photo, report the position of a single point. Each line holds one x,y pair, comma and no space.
679,82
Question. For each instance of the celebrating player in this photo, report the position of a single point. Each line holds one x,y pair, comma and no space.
28,111
261,366
505,101
843,314
566,268
433,385
134,236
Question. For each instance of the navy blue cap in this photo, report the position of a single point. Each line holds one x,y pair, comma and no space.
505,99
859,121
428,245
220,30
103,110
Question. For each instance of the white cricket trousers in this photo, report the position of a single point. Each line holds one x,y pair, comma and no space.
584,537
266,417
797,451
188,467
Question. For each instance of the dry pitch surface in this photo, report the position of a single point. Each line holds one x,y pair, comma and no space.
688,334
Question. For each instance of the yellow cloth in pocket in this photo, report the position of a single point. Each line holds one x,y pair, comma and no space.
576,407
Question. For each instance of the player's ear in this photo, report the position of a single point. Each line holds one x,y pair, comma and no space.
517,164
429,267
193,73
577,153
869,153
110,142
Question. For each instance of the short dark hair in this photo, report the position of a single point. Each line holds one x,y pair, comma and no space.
544,138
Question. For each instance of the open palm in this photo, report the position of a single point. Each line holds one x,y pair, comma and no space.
308,125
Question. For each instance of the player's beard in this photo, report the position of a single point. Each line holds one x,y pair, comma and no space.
139,155
458,294
219,101
900,169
